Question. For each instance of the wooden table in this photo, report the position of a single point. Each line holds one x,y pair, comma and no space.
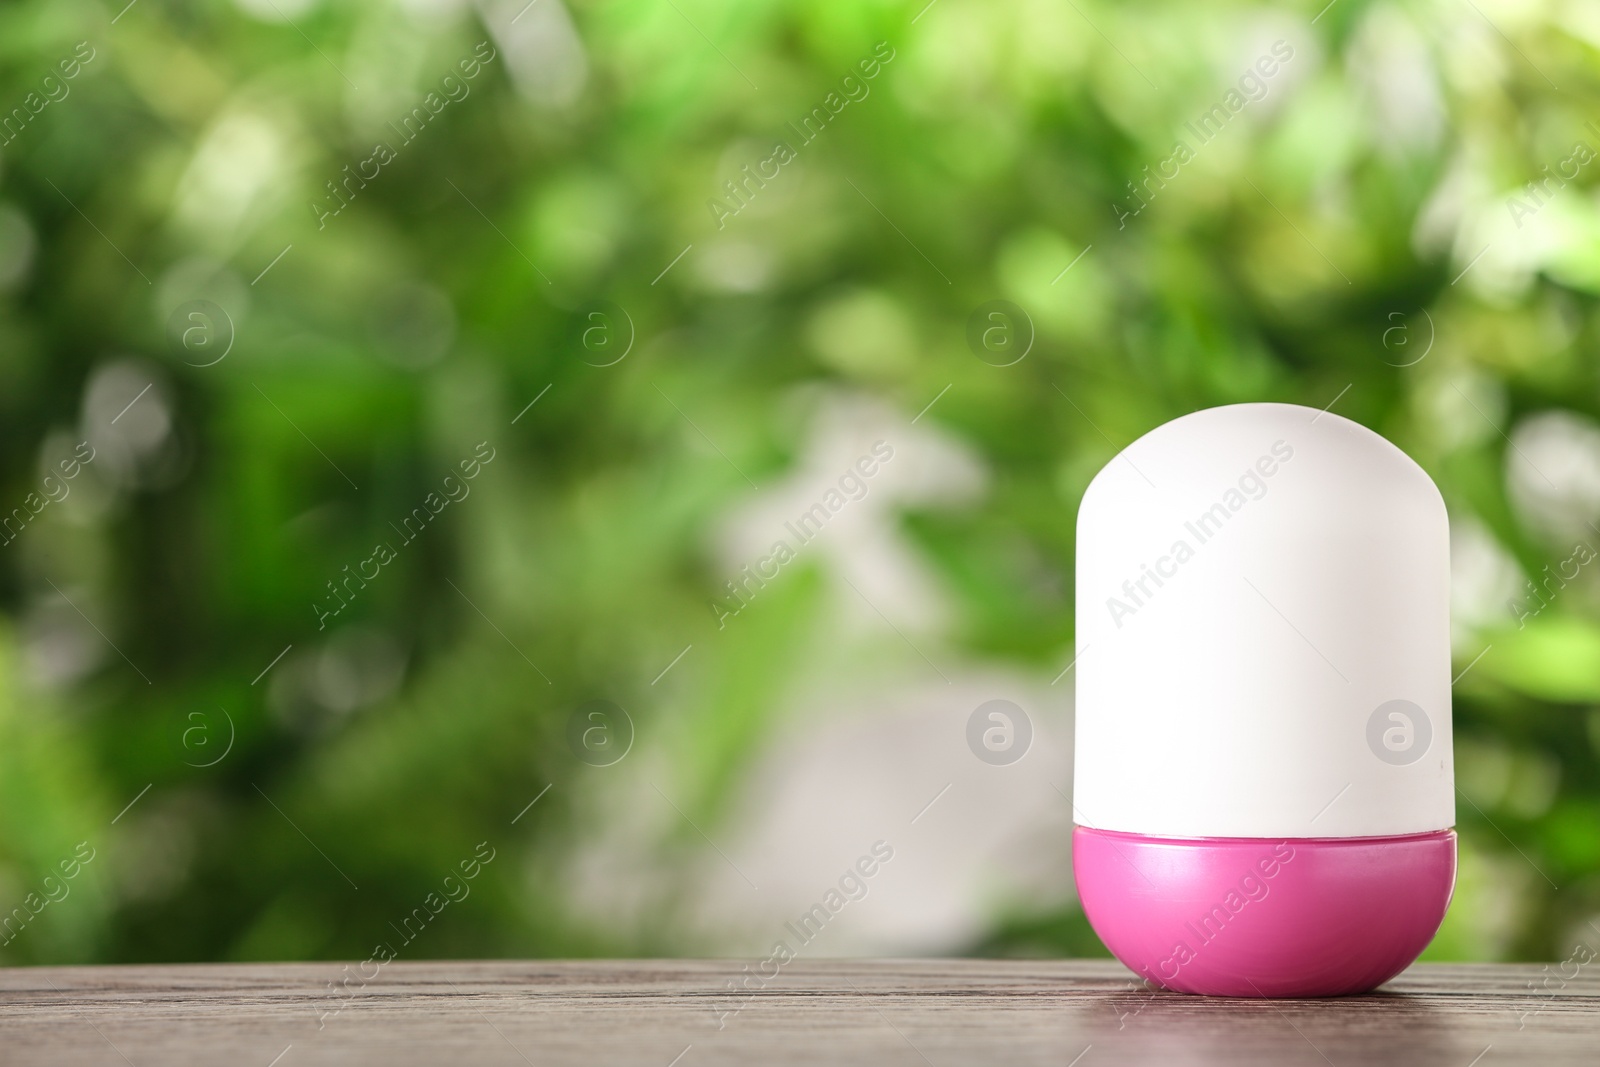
681,1014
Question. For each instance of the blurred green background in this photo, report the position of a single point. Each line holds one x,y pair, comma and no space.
271,376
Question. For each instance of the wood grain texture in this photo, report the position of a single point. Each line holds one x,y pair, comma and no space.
681,1013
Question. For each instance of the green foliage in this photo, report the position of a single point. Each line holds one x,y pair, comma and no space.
1353,237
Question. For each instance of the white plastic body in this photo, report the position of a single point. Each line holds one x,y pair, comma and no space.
1234,698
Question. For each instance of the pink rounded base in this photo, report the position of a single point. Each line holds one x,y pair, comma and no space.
1247,917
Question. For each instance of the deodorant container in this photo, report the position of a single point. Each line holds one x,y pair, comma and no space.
1264,789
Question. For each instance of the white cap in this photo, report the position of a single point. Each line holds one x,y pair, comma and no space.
1263,630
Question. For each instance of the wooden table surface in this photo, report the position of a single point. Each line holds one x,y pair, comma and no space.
672,1013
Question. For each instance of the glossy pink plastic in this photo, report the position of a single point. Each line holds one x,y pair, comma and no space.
1245,917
